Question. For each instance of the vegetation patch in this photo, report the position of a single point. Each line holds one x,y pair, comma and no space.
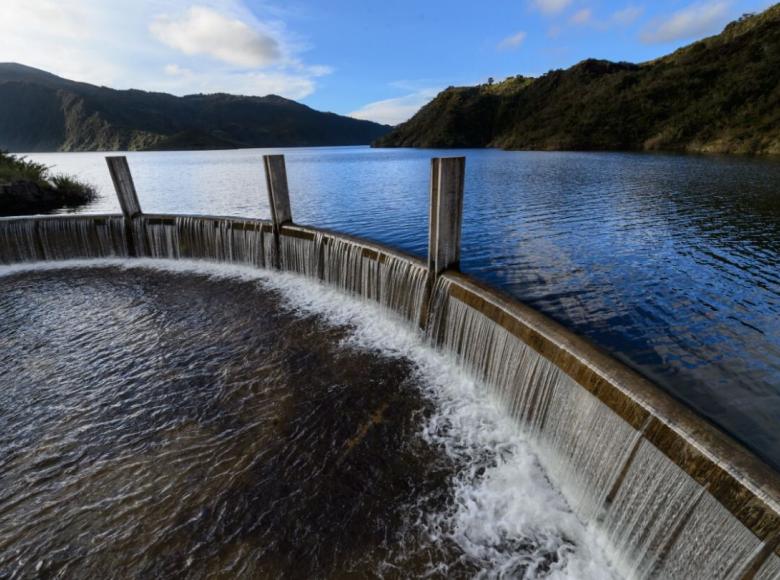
27,186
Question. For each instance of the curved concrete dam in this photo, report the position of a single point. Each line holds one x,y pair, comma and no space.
665,493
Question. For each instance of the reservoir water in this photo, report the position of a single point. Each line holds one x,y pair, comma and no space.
669,262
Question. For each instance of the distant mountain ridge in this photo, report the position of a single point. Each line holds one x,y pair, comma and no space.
718,95
40,111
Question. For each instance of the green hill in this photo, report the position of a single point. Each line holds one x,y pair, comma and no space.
43,112
719,95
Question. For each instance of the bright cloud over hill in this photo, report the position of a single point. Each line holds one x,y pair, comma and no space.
205,31
695,20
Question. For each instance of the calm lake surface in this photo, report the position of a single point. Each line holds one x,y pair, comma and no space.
671,263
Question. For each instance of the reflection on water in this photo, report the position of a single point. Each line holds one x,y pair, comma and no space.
161,425
670,262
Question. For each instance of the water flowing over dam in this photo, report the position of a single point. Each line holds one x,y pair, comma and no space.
659,490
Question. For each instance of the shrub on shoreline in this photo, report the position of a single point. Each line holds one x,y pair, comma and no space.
27,186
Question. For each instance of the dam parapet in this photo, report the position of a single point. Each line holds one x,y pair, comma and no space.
671,495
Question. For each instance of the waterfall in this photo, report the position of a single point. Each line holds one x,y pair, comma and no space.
156,237
215,239
662,523
397,284
584,443
18,241
62,237
655,519
301,253
224,240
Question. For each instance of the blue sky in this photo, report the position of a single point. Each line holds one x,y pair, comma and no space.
379,60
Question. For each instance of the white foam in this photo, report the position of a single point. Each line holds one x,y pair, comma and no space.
502,497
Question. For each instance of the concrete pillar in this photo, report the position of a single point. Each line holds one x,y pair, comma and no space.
123,184
128,198
278,199
278,192
446,213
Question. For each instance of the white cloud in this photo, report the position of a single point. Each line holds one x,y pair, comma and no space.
581,17
627,15
266,83
253,83
621,18
512,41
50,17
54,35
395,110
414,85
551,6
174,70
293,87
317,70
202,30
110,43
694,21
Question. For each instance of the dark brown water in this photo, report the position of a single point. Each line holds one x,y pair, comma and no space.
155,424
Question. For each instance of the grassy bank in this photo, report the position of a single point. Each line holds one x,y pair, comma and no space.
29,187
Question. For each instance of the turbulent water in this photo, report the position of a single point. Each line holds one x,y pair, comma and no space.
178,418
670,262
